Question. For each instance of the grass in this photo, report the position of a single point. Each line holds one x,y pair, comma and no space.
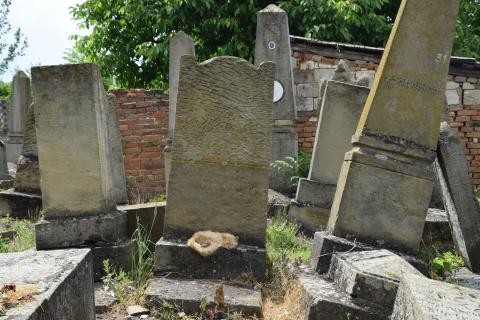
25,238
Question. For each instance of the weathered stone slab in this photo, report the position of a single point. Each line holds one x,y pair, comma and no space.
20,205
72,139
188,295
437,230
221,150
119,187
370,275
60,283
104,299
421,298
460,199
466,278
180,44
27,177
386,181
4,175
342,107
273,44
471,97
325,245
277,203
20,101
182,261
320,299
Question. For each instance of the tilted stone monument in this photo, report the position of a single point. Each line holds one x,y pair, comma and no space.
460,201
75,158
27,178
21,99
273,44
220,165
386,181
180,44
342,105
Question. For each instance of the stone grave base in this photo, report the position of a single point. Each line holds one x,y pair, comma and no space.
421,298
322,300
187,295
325,245
181,261
20,205
437,230
277,203
6,183
151,216
310,218
119,256
55,284
93,230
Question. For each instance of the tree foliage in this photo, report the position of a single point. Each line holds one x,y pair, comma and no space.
129,38
9,50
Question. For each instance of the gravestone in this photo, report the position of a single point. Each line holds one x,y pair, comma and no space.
27,178
386,180
220,161
75,160
273,44
115,144
20,102
180,44
460,201
342,105
4,175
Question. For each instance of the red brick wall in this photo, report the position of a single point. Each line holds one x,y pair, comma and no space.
143,119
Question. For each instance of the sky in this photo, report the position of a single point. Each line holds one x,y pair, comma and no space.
47,24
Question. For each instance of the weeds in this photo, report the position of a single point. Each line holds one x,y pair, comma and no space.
295,167
24,238
441,265
158,198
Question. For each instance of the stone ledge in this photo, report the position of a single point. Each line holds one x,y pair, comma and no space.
183,262
189,294
97,230
19,205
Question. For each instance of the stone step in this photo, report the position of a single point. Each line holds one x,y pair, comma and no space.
321,300
188,295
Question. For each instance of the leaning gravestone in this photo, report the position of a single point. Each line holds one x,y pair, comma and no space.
273,44
75,159
20,102
386,180
460,203
180,44
342,105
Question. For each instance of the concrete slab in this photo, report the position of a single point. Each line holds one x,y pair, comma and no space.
422,298
321,300
183,262
189,294
19,205
467,278
370,275
311,218
56,284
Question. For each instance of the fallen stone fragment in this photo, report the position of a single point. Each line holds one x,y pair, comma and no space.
137,311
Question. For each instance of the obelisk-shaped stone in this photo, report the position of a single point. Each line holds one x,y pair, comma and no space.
273,44
180,44
386,180
21,99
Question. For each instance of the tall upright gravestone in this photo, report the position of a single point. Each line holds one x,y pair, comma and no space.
386,180
75,159
220,162
21,99
273,44
341,109
180,44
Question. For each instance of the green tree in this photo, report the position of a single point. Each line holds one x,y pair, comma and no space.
467,40
129,38
9,51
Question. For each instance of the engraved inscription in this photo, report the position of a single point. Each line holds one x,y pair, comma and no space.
412,84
